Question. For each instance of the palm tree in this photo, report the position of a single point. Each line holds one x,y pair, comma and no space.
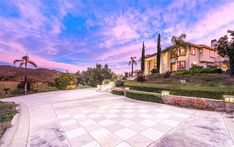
24,62
132,62
178,42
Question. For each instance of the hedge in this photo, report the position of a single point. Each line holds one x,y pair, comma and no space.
193,91
144,96
118,92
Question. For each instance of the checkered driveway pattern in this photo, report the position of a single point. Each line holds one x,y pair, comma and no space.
117,121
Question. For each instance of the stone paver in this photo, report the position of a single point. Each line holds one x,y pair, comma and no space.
91,118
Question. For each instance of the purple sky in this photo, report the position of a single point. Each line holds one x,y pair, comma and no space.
73,35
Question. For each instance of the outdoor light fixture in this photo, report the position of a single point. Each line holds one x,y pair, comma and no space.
229,98
165,92
126,88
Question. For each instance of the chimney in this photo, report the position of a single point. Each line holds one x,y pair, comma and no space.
213,43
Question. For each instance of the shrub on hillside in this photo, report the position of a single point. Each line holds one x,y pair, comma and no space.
140,78
200,69
16,92
64,80
167,75
154,70
39,87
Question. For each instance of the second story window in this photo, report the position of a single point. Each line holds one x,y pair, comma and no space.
193,51
172,54
182,52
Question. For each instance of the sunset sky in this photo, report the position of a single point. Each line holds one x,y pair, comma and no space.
74,35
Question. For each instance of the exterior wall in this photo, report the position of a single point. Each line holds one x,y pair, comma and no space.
164,62
207,55
193,59
150,63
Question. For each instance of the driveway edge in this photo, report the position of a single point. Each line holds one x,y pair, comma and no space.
17,135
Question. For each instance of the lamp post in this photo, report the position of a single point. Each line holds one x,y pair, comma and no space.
164,93
229,98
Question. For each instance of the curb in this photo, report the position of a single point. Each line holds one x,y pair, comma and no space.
17,135
229,125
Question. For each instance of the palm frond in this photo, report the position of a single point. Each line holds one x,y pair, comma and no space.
129,62
17,60
21,64
32,63
182,36
25,57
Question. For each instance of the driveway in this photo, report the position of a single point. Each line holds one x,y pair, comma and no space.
90,118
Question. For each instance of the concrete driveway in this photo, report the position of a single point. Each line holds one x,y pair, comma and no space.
90,118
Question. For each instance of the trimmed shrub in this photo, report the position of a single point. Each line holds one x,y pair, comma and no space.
18,92
64,80
167,75
144,96
202,92
154,70
119,83
200,69
118,91
140,78
39,87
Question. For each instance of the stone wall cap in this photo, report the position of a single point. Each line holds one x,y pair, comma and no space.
230,96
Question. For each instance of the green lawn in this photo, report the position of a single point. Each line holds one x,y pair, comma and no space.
212,86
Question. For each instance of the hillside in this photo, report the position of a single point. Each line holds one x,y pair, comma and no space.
12,73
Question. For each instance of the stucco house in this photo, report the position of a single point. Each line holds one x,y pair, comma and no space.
197,54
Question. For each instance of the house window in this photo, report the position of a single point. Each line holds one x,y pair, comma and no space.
181,65
172,54
182,52
212,54
193,51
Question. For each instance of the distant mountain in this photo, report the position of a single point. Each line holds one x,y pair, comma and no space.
13,73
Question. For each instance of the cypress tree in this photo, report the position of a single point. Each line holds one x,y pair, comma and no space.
158,52
143,58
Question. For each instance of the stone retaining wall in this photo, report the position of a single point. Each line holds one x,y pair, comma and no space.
199,103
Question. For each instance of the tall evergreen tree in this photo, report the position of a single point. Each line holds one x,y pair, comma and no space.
143,58
158,52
